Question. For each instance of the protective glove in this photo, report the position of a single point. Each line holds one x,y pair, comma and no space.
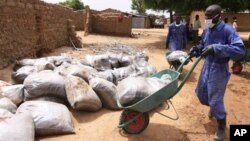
194,51
208,50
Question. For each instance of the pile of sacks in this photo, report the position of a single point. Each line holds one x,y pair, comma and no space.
47,86
23,120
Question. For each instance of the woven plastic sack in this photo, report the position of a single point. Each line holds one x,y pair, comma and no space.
50,118
21,74
134,89
14,92
50,99
99,62
106,91
114,60
176,55
6,104
143,68
43,84
19,127
4,114
2,83
77,70
80,95
52,60
107,75
124,72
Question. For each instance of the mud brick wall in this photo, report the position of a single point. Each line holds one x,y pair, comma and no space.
79,19
30,27
108,23
54,31
53,26
17,30
243,21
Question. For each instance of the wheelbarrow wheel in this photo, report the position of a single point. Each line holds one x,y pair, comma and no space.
237,67
138,125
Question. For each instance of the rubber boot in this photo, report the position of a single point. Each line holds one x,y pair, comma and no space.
210,115
220,132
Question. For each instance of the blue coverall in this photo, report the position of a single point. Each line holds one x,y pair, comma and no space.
177,37
215,71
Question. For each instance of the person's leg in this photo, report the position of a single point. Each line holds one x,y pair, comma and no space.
216,103
217,110
201,89
172,46
196,36
193,35
216,90
202,95
190,35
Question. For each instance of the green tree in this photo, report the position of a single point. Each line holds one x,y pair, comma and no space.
187,6
138,6
165,5
75,4
227,5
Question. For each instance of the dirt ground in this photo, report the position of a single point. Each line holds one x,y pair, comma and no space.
193,124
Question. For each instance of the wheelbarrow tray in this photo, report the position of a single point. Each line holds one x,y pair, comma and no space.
154,100
246,57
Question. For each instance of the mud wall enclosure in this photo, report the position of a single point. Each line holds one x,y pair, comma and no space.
108,22
31,27
28,27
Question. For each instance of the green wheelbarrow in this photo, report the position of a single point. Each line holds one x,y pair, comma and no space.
239,62
135,118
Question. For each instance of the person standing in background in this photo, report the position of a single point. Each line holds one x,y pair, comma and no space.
235,26
191,32
177,35
196,26
189,35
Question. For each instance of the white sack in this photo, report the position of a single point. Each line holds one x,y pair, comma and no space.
134,89
106,91
50,118
44,83
14,92
80,95
6,104
18,128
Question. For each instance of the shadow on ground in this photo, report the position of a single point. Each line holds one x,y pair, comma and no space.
89,116
158,132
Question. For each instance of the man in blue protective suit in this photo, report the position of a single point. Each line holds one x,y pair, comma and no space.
177,35
219,43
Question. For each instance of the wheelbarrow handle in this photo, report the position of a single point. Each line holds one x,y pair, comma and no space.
183,63
189,72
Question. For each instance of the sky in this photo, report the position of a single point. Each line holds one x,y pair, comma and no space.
122,5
